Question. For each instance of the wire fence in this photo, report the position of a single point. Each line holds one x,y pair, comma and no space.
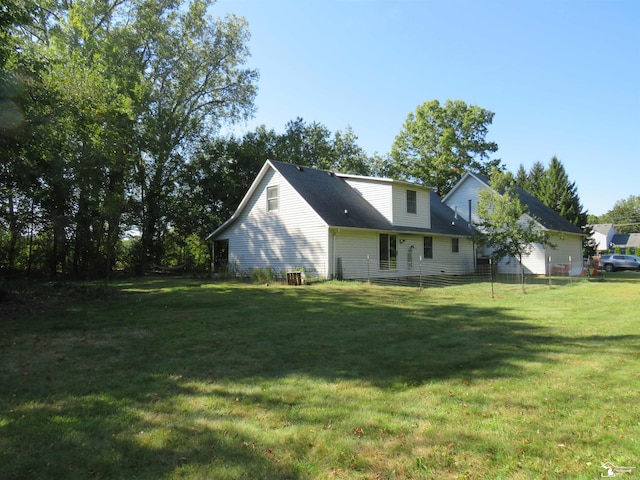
423,273
429,274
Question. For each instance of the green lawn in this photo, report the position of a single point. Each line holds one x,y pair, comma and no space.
191,379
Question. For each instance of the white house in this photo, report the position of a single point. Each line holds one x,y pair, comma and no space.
602,236
332,225
565,258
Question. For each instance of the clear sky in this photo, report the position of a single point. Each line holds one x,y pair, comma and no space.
561,76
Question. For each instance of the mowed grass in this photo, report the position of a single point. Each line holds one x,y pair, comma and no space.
190,379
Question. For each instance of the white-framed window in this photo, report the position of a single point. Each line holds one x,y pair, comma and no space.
412,201
273,198
388,252
455,245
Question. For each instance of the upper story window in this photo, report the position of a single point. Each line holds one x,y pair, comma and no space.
273,198
412,202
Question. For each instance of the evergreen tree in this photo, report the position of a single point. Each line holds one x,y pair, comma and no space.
522,178
557,192
536,178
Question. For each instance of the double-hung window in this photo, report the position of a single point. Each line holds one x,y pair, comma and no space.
455,245
273,198
388,251
412,202
428,247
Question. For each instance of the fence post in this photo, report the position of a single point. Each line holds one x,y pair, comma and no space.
368,270
491,275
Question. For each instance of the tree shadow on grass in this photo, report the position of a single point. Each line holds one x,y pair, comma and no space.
94,393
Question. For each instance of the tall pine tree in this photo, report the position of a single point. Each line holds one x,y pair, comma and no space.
558,193
552,187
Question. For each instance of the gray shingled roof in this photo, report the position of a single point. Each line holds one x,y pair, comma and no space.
329,195
445,221
546,216
626,239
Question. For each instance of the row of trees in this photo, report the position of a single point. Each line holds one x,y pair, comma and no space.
109,135
625,215
102,101
552,186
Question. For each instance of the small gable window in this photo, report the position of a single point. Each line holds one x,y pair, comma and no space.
273,198
412,202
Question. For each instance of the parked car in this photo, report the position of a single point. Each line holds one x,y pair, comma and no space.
616,261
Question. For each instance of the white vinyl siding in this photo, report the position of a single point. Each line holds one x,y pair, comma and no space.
294,236
390,199
465,192
568,251
541,261
377,193
422,217
357,252
537,262
444,261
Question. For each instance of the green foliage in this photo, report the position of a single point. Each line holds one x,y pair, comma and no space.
552,187
625,215
439,143
101,104
312,145
264,274
506,228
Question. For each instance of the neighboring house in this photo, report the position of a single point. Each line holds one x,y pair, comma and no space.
628,241
332,225
566,257
602,236
607,239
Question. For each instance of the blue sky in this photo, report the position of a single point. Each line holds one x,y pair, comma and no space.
561,76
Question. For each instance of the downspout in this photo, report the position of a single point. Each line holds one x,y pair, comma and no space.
332,274
334,258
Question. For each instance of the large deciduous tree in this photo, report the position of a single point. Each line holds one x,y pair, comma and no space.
193,81
102,101
314,146
439,143
625,215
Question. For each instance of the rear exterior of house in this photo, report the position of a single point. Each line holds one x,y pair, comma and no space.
341,226
275,229
565,258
